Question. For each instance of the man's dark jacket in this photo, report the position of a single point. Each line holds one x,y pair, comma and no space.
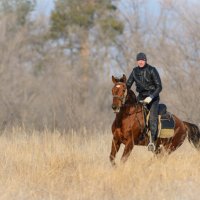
147,81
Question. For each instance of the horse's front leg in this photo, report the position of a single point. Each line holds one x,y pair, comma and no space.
114,149
127,149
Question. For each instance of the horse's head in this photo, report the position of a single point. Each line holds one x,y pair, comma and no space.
119,92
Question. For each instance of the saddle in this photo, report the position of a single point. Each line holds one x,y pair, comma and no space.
166,122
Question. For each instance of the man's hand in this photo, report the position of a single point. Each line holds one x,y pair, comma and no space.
147,100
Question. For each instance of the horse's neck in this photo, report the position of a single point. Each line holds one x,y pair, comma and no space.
131,105
131,98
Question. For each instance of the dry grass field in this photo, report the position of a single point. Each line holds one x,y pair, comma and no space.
75,165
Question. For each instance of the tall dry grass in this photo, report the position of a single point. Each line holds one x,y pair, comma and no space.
75,165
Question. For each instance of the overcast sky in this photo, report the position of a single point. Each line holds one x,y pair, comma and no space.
48,4
44,6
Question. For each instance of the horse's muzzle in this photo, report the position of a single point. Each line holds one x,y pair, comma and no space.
115,108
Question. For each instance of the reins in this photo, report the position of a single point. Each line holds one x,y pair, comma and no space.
136,116
141,128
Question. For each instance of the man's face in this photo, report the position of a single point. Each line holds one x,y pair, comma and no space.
141,63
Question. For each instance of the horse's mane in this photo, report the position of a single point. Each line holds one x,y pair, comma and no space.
131,98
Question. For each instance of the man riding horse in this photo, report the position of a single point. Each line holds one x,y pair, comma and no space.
149,86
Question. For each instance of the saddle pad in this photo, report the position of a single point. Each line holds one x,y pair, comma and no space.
166,133
166,127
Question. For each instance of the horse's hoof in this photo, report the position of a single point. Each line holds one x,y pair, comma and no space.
113,163
151,147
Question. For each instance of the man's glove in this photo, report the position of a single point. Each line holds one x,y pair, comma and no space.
147,100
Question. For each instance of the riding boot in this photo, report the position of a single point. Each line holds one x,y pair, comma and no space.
154,136
153,125
153,128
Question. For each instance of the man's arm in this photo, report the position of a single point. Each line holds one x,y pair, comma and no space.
130,81
157,81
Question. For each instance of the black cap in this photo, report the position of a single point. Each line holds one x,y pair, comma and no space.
141,56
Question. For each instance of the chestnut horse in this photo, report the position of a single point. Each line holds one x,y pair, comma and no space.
129,124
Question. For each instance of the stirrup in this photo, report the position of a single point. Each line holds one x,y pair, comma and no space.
151,147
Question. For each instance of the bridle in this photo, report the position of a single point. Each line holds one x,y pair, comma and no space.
121,98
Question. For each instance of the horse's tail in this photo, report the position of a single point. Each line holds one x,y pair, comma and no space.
193,134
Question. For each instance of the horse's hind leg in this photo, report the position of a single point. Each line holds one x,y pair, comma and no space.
114,149
127,150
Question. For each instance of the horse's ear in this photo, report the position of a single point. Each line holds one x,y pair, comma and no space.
114,80
124,78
